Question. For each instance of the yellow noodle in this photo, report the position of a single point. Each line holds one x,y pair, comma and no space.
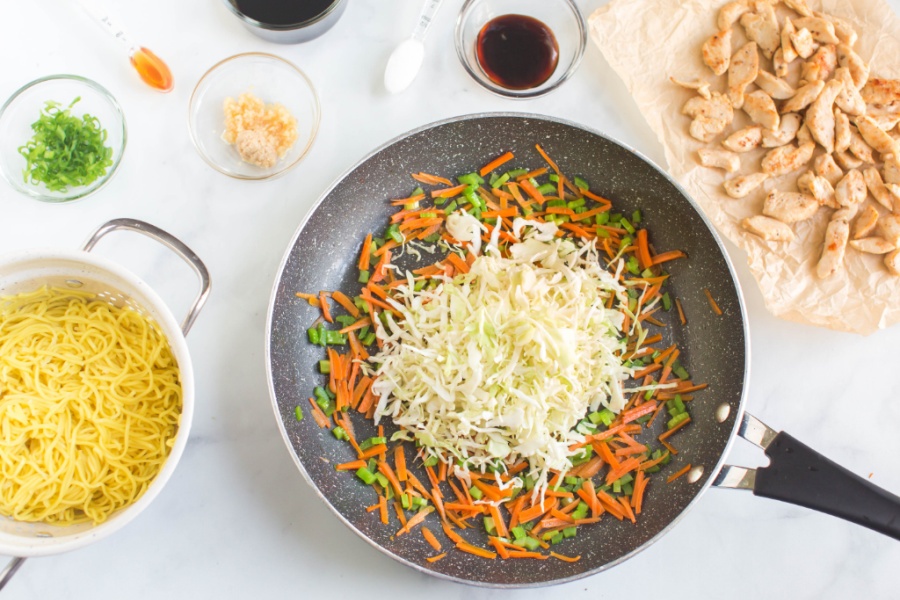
90,401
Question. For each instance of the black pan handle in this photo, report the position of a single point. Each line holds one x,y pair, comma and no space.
799,475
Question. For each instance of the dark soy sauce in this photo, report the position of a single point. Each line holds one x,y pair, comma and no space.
282,12
517,52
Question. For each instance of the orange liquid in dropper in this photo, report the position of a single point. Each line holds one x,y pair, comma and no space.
152,70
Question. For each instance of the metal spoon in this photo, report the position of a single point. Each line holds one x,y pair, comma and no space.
406,59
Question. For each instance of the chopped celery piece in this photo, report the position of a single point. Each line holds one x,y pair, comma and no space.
366,475
325,367
298,413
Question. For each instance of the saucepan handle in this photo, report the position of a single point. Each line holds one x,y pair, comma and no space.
170,242
10,570
799,475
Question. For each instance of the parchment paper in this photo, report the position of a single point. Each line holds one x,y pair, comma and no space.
646,42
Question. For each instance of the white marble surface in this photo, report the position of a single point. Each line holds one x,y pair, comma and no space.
237,520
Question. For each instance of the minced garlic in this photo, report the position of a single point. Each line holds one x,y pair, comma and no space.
261,132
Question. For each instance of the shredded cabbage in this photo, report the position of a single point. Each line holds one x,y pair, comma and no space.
501,363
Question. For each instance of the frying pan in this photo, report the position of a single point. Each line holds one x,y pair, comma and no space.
716,349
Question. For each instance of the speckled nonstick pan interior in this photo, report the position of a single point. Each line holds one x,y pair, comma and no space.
323,256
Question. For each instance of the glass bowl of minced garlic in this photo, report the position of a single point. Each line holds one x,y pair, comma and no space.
254,116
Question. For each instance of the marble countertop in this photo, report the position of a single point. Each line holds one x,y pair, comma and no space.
237,520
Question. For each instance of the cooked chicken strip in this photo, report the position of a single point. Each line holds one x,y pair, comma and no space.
851,189
761,109
762,28
730,13
719,159
820,115
891,169
892,262
849,100
717,51
894,189
785,134
842,29
740,187
820,66
874,136
702,87
885,121
881,94
859,148
744,140
788,53
826,167
836,235
841,131
779,64
803,43
800,7
769,229
847,161
776,87
711,117
889,228
785,159
803,135
742,72
873,245
865,222
877,188
790,207
822,31
849,59
804,96
819,188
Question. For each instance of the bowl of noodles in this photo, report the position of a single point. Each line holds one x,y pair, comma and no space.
96,394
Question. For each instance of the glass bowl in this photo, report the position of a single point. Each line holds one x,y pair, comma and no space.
561,16
268,77
24,108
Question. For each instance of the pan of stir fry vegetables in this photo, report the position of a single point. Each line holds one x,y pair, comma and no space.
507,350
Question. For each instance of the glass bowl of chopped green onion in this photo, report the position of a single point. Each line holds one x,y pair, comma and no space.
63,138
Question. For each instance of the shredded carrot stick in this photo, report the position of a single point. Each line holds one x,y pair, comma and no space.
497,162
382,509
680,312
678,473
498,546
532,174
712,302
568,559
667,256
454,537
353,465
643,250
431,179
547,158
321,420
674,429
434,559
449,192
400,461
526,554
323,304
466,547
431,539
415,520
346,302
312,299
458,263
374,451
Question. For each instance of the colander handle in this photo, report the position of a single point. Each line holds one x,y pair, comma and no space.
170,242
7,573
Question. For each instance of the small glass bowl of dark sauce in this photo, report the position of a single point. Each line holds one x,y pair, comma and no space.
520,48
287,21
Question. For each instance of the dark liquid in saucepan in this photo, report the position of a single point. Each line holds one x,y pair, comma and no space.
517,52
282,12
